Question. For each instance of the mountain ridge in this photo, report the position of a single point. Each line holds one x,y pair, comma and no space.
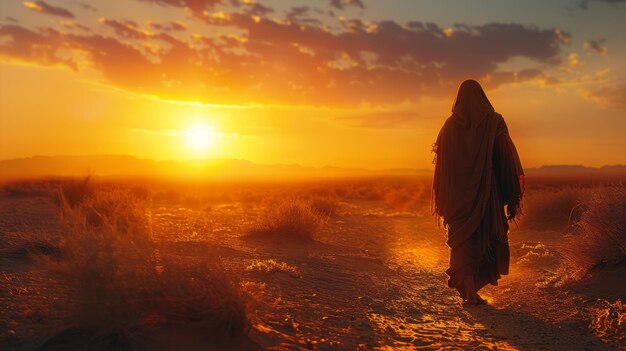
126,165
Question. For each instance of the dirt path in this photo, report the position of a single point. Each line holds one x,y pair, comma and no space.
377,284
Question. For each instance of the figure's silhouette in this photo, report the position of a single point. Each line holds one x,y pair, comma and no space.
477,173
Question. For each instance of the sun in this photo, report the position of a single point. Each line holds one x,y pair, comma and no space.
199,137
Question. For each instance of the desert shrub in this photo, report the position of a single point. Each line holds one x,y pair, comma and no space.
326,206
408,198
72,192
191,201
247,196
341,191
140,192
609,321
122,285
201,293
599,236
289,218
167,196
369,193
534,254
28,188
109,257
273,266
551,209
322,192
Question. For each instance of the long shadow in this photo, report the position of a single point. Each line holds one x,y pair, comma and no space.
527,332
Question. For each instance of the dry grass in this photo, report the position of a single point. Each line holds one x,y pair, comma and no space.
109,256
72,192
535,254
599,236
273,266
288,219
123,286
326,206
28,188
609,322
550,209
411,197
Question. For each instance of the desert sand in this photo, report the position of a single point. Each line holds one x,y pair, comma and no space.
372,277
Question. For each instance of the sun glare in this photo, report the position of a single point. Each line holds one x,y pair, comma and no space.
200,137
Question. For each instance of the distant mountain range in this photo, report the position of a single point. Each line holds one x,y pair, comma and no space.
576,170
124,166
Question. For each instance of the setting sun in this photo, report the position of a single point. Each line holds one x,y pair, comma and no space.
200,137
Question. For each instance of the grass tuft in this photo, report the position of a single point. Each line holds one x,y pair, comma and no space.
289,219
273,266
599,236
126,289
609,322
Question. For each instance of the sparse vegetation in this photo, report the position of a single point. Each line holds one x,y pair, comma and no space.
410,197
552,209
599,236
123,285
288,219
27,188
72,192
326,206
137,265
273,266
609,322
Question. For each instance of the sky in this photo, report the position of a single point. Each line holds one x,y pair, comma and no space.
349,83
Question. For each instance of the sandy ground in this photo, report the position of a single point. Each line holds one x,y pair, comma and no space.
372,279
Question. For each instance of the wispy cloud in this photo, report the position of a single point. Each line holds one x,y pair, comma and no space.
585,3
43,7
596,45
341,4
611,95
86,6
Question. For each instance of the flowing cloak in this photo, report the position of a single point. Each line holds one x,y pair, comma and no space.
477,173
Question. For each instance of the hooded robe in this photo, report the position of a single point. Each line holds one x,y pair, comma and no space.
477,173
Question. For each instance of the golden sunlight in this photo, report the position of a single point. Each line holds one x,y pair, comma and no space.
200,137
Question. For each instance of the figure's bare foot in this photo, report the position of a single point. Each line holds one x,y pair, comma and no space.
476,300
470,302
471,297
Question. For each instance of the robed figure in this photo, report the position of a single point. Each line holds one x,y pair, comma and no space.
477,187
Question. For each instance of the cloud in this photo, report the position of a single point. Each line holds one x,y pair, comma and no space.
574,60
29,46
341,4
126,28
174,26
86,6
286,61
302,14
196,6
596,46
69,24
585,3
611,95
43,7
257,9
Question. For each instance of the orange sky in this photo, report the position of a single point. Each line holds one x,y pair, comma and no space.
342,83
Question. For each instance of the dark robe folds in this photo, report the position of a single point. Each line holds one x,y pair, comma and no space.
477,174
